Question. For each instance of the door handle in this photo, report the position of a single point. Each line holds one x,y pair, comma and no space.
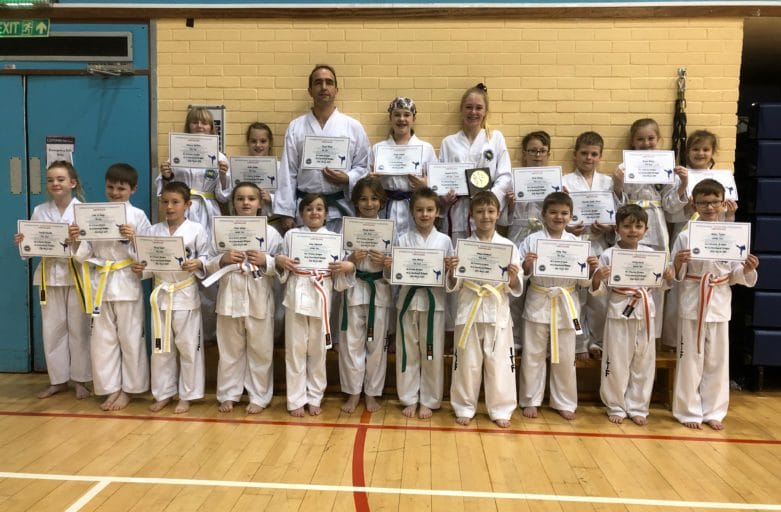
15,174
34,166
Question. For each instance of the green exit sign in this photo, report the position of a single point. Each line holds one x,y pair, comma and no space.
24,28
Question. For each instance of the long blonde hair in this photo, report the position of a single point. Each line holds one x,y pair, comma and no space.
482,91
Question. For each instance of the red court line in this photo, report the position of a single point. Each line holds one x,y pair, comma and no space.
504,431
360,498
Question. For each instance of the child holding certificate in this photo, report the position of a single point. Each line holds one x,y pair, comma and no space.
120,365
245,312
65,325
630,345
701,392
483,333
551,312
420,332
307,312
260,142
175,303
399,188
366,311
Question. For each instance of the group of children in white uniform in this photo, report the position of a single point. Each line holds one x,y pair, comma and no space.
546,319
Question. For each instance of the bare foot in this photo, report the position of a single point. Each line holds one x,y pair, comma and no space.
372,405
108,402
254,409
410,410
596,352
182,406
613,418
226,406
351,403
314,410
81,390
297,413
692,424
159,405
463,420
122,401
424,413
567,415
53,390
639,420
715,424
530,412
502,423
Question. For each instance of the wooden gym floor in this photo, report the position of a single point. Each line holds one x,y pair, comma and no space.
61,454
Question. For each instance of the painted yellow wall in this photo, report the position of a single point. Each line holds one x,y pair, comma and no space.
564,76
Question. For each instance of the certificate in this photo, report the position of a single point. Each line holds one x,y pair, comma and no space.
730,241
562,258
654,167
534,183
402,159
260,170
160,253
418,267
322,152
43,238
99,221
239,233
444,177
367,234
590,207
483,261
314,251
196,150
637,268
726,178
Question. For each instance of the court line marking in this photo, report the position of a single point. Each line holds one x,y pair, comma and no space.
361,499
423,428
87,497
399,491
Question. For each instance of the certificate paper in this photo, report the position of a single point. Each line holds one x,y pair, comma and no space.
418,267
43,238
239,233
443,177
590,207
483,261
398,160
654,167
196,150
367,234
726,178
99,221
562,258
161,253
322,152
637,268
534,183
260,170
314,251
730,241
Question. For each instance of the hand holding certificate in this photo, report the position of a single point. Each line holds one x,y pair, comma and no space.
654,167
402,159
482,261
260,170
49,239
418,267
314,251
534,183
367,234
442,178
562,258
590,207
196,150
322,152
239,233
637,268
161,254
721,241
100,221
726,178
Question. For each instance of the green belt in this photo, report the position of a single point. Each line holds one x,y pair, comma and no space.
430,323
330,200
370,278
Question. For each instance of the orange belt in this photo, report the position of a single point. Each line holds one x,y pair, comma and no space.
635,295
317,278
707,283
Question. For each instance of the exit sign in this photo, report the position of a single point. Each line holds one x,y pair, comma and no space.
24,28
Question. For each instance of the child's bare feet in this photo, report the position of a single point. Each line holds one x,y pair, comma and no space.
81,390
122,401
463,420
410,410
639,420
715,424
596,352
297,413
615,419
182,406
692,424
109,401
159,405
53,390
502,423
530,412
567,415
372,405
314,410
424,413
351,403
254,408
226,406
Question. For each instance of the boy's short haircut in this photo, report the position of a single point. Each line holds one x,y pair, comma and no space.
589,139
425,193
177,187
482,198
633,212
309,199
708,187
556,198
372,183
539,135
122,173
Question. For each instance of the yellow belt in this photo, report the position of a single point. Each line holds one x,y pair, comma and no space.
646,203
555,293
162,337
199,193
77,282
481,291
105,268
